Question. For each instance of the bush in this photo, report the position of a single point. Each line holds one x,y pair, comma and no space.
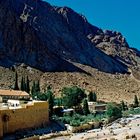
113,111
75,123
77,119
131,111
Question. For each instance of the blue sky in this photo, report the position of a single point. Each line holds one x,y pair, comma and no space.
119,15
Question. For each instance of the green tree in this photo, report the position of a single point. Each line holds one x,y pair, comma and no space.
33,91
113,111
72,96
22,85
51,101
85,107
33,88
42,96
37,86
16,87
136,101
92,97
123,106
27,85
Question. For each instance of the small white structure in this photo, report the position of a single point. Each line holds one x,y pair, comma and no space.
12,104
67,110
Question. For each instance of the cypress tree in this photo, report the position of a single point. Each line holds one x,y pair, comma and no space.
37,86
51,102
27,85
92,97
136,102
22,85
85,107
16,82
33,88
123,106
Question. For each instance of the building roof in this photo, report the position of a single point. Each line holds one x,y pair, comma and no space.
13,93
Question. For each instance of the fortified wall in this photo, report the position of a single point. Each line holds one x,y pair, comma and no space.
29,116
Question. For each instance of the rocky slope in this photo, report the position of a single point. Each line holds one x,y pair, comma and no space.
109,87
34,33
113,43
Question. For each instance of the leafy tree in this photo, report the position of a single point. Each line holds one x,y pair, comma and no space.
85,107
92,97
58,101
136,101
16,87
51,102
72,96
42,96
113,111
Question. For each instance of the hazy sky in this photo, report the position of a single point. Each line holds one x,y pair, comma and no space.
120,15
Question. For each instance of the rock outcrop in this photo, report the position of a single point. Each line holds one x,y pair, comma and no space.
50,38
112,43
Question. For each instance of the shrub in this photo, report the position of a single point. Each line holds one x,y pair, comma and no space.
113,111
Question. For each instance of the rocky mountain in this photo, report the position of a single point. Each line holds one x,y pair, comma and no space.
49,38
113,43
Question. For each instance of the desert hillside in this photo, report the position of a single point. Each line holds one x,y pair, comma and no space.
109,87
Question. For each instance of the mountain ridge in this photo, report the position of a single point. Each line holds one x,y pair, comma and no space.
45,42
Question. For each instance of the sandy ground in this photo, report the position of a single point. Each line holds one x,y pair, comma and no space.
120,130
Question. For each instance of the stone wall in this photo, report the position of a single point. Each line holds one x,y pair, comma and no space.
30,116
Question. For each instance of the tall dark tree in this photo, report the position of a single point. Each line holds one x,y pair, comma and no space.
16,87
22,85
123,106
33,89
27,85
51,101
92,97
85,107
136,101
37,86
